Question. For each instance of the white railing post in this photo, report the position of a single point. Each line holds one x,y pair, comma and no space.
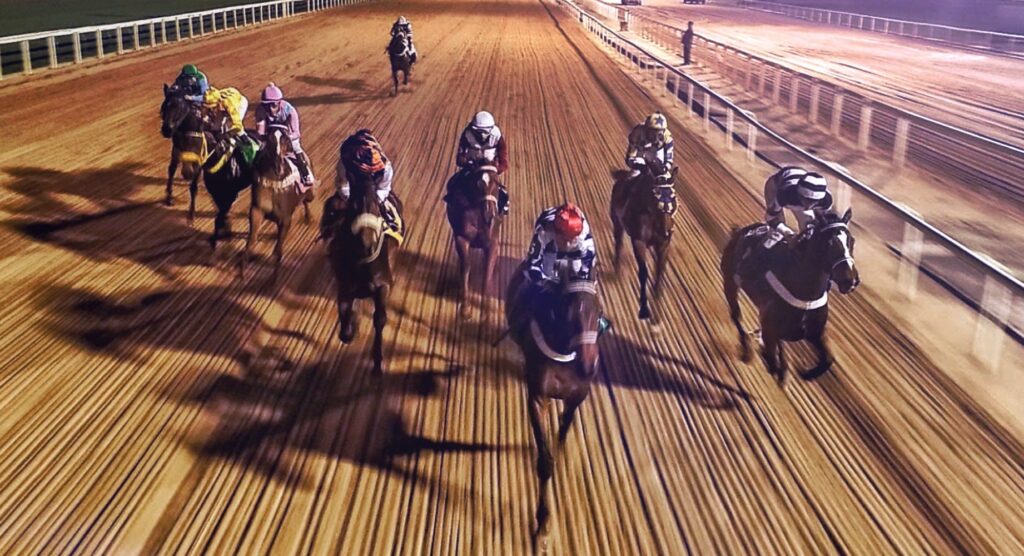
776,86
120,41
996,308
99,44
812,114
864,134
707,112
763,77
689,99
152,33
910,260
76,45
135,36
190,33
26,58
794,95
899,150
51,50
751,143
837,114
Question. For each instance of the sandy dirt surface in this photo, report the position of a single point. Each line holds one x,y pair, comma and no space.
154,403
976,91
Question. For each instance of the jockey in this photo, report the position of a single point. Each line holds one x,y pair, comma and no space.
361,155
804,193
275,110
231,103
482,144
192,83
650,146
402,25
561,236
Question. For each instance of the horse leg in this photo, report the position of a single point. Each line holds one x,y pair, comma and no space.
772,351
825,359
346,319
617,231
732,297
641,263
307,199
545,466
567,415
283,225
171,169
462,249
193,191
394,79
255,222
491,259
380,319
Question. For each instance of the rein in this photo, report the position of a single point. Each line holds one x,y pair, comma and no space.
366,220
587,337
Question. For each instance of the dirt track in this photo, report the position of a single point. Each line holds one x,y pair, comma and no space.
153,402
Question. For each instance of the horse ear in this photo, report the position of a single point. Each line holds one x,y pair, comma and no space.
166,89
848,215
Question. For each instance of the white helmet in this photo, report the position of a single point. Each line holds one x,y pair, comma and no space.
402,20
483,121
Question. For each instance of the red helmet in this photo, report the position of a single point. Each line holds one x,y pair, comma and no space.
568,221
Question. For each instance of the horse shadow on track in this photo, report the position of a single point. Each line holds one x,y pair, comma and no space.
355,90
270,422
440,277
121,228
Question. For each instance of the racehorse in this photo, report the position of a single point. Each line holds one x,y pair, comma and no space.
224,180
472,208
644,210
401,59
183,125
560,348
789,285
276,191
359,251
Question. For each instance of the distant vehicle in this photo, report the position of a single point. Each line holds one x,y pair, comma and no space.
631,3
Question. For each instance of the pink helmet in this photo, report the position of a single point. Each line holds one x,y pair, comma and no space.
272,94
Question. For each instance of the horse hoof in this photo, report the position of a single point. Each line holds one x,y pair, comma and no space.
464,311
745,354
347,335
540,543
645,313
169,201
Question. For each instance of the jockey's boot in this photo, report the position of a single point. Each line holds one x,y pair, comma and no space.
302,163
503,200
776,234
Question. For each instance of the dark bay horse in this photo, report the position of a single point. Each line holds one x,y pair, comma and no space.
472,208
789,285
644,211
277,191
562,356
401,59
360,254
183,125
224,181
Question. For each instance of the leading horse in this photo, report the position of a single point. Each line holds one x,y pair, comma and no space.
360,253
472,209
224,178
401,59
182,123
562,356
789,285
644,210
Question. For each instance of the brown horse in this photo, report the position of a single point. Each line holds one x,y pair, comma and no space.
401,59
472,209
276,193
644,211
360,255
789,284
560,348
182,123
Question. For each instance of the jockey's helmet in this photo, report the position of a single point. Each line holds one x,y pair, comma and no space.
272,94
483,123
402,20
812,187
568,222
368,159
190,70
656,121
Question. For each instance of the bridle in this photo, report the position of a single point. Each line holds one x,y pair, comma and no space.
587,337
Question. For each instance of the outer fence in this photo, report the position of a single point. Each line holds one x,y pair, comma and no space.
973,38
25,54
968,157
982,284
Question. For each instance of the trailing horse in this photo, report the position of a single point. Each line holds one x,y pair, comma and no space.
182,123
789,284
560,348
225,179
276,192
359,249
472,208
401,59
644,210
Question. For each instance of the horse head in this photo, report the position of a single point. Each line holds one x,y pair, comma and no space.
368,225
277,150
577,314
832,243
483,188
174,113
399,44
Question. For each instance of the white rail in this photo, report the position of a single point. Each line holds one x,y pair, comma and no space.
969,156
27,53
981,283
973,38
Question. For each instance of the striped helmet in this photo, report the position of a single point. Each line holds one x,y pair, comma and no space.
812,186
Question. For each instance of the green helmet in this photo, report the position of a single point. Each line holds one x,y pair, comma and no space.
190,70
